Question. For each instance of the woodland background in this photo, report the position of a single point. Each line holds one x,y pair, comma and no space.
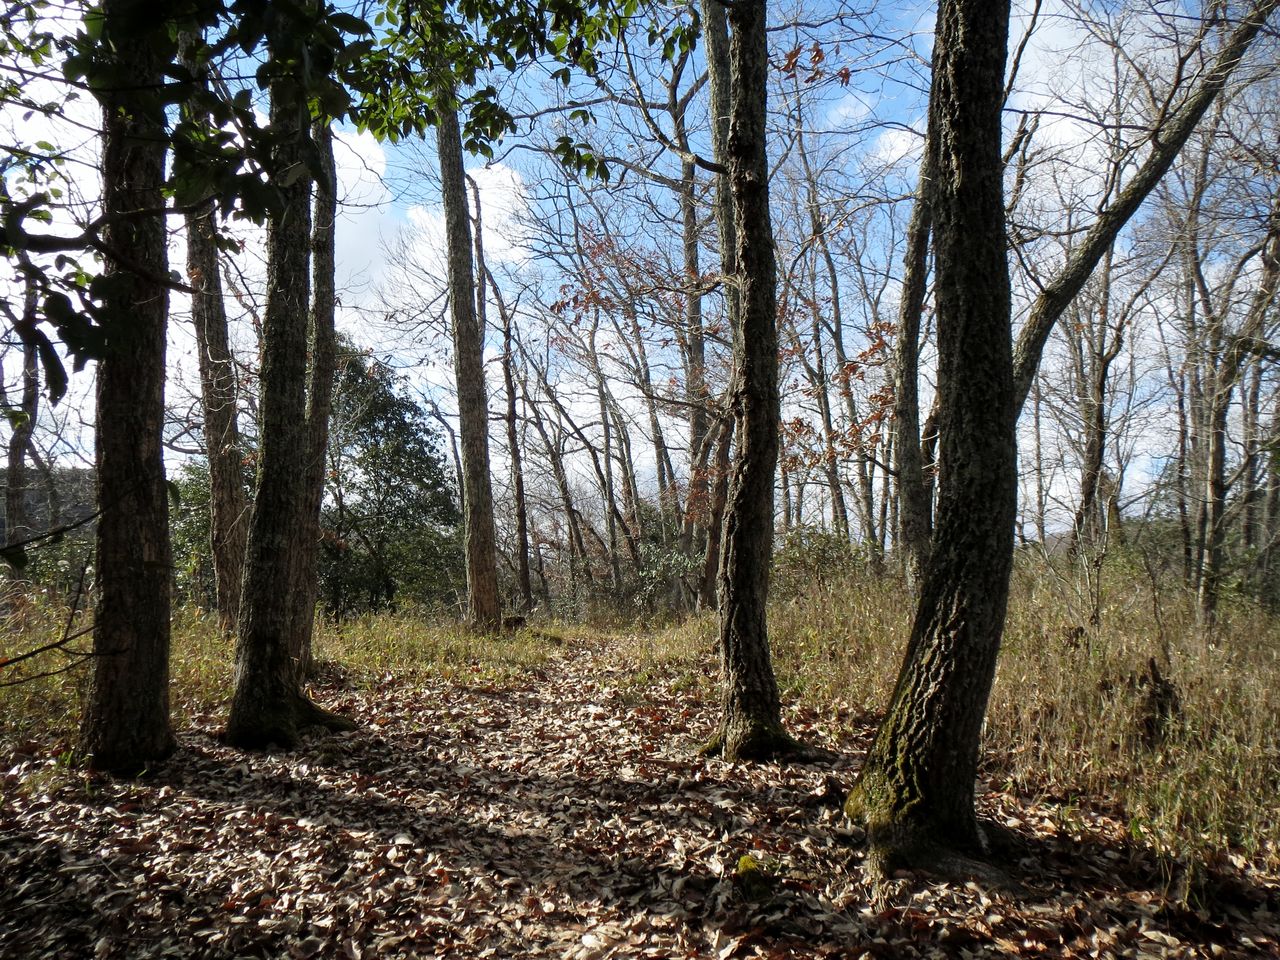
408,359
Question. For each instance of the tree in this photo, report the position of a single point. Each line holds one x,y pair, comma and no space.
319,397
484,609
751,717
23,416
269,705
126,719
915,789
389,527
218,400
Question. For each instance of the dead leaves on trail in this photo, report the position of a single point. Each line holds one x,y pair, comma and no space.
561,814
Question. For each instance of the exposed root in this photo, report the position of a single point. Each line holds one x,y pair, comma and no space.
939,862
762,743
279,730
311,714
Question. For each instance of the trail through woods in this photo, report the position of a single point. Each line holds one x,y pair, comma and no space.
560,813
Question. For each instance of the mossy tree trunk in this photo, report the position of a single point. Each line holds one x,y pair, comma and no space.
126,718
751,721
915,792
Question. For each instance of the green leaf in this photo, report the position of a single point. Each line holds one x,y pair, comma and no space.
349,24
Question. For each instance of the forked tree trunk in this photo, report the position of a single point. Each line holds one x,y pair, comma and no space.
268,706
484,610
126,718
319,401
751,719
915,792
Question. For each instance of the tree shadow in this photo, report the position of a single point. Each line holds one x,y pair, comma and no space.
587,840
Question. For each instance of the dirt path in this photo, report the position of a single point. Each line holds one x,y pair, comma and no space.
562,814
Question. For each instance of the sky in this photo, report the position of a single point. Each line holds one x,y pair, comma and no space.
390,231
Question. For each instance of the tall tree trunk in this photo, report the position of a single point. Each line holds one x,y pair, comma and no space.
915,792
268,706
228,506
484,606
126,718
319,398
751,720
523,581
915,493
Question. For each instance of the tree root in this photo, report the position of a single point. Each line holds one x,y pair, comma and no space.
762,743
942,863
280,728
311,714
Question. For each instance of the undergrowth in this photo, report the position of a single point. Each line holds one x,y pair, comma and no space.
1108,693
42,712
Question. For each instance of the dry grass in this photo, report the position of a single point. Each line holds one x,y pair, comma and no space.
1073,714
45,710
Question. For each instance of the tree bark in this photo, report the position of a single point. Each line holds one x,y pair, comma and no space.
268,706
228,506
484,611
915,792
915,492
751,720
126,719
319,400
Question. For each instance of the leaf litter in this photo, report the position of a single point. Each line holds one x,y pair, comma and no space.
561,812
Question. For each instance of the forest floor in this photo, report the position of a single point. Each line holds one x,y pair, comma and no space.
559,811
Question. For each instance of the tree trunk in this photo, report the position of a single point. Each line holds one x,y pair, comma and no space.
484,607
915,495
319,400
751,721
915,792
708,597
268,706
1218,404
228,507
126,718
523,580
